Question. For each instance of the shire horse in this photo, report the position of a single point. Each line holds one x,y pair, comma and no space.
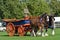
49,23
37,24
45,17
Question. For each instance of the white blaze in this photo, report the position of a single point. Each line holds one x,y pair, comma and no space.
47,18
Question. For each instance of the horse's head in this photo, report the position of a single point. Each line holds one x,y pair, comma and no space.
51,18
46,17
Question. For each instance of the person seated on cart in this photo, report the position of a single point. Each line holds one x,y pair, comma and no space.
26,17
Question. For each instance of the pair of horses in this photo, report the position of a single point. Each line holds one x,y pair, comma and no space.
38,23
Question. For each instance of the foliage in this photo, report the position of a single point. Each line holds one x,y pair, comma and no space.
37,7
15,8
11,9
55,7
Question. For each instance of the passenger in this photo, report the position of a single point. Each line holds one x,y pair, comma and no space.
26,17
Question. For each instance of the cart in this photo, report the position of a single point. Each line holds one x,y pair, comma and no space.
15,26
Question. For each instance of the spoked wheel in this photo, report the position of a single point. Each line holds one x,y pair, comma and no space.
21,31
10,29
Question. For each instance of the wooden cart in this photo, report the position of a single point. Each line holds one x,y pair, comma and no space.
14,26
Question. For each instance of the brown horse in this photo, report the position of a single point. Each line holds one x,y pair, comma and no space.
37,23
46,22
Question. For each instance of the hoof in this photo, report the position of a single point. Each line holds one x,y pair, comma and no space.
38,34
46,34
43,34
53,33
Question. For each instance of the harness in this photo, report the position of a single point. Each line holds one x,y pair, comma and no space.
41,19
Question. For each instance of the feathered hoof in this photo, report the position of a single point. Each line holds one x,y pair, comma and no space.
46,34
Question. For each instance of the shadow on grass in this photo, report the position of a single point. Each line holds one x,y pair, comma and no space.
3,35
13,36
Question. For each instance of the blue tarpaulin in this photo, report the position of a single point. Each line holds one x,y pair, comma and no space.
21,22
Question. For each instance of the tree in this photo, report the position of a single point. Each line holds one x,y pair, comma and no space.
55,7
11,9
37,7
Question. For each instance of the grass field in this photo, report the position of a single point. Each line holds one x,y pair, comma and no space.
4,36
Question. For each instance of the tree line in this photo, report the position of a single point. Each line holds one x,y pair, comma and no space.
15,8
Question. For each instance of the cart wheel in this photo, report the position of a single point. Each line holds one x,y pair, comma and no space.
10,29
21,31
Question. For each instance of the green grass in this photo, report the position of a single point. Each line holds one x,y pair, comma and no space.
4,36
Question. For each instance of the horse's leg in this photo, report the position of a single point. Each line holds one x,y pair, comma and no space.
53,32
33,32
39,31
46,34
46,29
42,30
